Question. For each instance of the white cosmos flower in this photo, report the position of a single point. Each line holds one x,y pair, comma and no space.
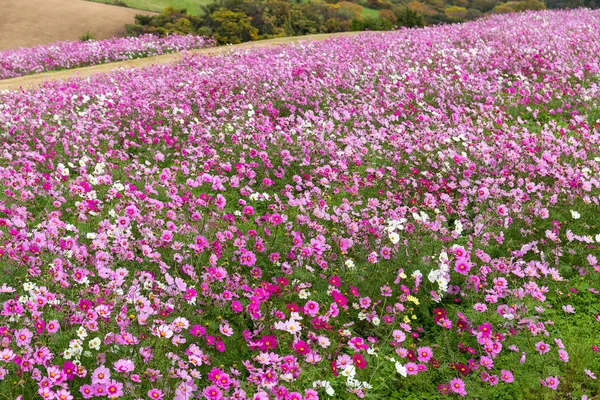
293,327
433,275
328,389
94,344
352,383
81,332
443,256
350,264
349,371
394,238
458,227
401,369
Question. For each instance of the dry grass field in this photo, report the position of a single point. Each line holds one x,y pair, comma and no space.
25,23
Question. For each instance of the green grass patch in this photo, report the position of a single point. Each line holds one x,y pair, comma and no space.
369,13
192,6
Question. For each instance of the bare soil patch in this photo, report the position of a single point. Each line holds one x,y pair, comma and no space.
26,23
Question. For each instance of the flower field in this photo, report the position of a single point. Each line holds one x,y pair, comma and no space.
402,215
67,55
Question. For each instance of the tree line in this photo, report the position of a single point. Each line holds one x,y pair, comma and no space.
236,21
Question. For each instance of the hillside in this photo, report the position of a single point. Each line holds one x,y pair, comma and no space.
389,215
26,23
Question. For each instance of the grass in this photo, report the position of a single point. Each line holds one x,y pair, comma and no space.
369,13
192,6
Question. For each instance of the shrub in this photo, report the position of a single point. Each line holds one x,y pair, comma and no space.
86,37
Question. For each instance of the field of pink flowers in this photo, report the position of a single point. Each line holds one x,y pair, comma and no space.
402,215
67,55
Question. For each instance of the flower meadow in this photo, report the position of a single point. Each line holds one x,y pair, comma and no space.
411,214
67,55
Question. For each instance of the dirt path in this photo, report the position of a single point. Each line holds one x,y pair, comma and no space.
26,23
34,80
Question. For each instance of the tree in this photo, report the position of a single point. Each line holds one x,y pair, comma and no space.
232,27
483,5
407,17
389,16
456,13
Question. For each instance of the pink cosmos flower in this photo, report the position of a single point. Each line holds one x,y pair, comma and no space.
506,376
53,326
124,366
457,386
462,266
359,361
301,347
63,394
197,330
7,355
294,396
69,369
87,391
39,326
563,355
569,309
485,329
542,347
46,393
487,362
23,337
589,373
220,346
248,258
225,329
424,354
100,375
223,381
311,308
552,382
155,394
411,368
398,336
114,389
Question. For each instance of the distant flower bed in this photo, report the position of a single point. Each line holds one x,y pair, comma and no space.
67,55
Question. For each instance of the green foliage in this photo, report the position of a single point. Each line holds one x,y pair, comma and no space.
233,27
370,24
514,6
456,13
279,18
407,17
236,21
194,7
87,36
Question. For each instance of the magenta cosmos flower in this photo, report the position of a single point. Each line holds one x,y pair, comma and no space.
424,354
